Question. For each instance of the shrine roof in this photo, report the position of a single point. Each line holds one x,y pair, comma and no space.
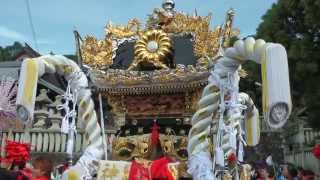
172,52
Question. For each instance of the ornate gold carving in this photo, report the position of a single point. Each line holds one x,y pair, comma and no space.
195,97
119,77
160,18
228,32
207,41
118,108
184,23
174,171
97,53
245,172
153,47
146,106
110,172
125,148
175,146
191,100
117,104
120,32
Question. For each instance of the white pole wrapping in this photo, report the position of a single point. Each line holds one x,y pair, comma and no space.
276,104
31,70
105,145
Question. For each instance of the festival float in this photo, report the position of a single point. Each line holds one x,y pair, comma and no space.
159,100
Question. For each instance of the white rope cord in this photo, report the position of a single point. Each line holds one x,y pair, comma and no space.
224,79
31,70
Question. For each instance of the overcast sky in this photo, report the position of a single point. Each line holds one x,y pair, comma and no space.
54,20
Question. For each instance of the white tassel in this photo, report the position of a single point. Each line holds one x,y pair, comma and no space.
240,152
70,146
65,125
219,157
233,140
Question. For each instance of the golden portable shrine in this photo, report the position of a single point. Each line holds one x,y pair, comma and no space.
153,75
159,100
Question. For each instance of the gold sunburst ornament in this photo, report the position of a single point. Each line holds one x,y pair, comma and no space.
152,48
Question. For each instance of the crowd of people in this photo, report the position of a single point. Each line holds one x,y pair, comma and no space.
263,171
40,169
15,166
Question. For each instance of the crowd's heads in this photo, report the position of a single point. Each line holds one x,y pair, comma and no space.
262,169
42,166
289,170
305,174
17,165
5,174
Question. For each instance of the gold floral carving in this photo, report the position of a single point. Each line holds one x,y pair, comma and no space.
120,32
97,53
155,55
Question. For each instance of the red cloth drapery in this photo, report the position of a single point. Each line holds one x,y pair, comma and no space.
157,170
316,151
155,134
139,172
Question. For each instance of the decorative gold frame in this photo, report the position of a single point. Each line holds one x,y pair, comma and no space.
136,146
100,53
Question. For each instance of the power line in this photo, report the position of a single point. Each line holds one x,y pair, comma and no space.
31,25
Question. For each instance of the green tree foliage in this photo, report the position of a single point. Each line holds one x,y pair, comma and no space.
295,24
72,57
8,53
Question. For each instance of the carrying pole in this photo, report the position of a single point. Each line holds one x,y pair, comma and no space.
105,145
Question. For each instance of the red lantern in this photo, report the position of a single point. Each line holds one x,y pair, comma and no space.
316,151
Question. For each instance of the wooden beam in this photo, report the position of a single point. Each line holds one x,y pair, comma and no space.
51,86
